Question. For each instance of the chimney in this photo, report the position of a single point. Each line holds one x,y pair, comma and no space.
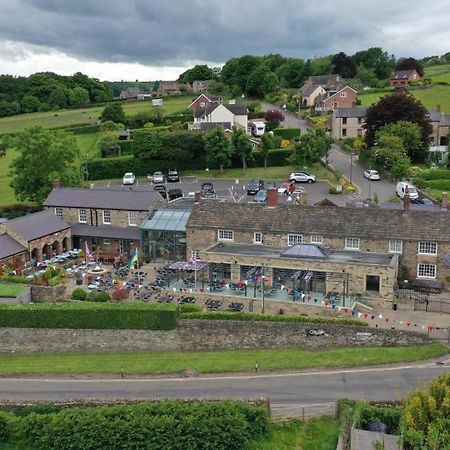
56,183
406,201
197,196
444,201
272,197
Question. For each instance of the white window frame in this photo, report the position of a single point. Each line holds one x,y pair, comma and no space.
132,215
225,235
350,243
121,246
426,248
257,237
316,239
343,94
395,246
59,212
195,253
82,212
106,213
424,272
294,239
106,242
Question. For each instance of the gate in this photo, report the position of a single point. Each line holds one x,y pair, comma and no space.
438,306
439,333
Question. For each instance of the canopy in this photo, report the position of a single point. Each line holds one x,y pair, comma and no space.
185,265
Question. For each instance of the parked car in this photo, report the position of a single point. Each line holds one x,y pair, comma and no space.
284,188
174,193
371,175
161,189
158,178
255,186
302,177
401,187
173,175
207,189
261,196
128,178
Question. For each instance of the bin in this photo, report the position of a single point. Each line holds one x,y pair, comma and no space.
394,306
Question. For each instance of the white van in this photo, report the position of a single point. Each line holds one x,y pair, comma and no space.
258,128
400,190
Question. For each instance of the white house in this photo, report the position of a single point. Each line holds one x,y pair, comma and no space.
236,115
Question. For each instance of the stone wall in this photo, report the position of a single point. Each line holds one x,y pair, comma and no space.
23,297
41,294
194,335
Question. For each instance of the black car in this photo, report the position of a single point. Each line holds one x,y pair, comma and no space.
175,193
173,175
207,190
161,189
255,186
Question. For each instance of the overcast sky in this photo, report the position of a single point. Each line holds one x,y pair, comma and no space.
158,39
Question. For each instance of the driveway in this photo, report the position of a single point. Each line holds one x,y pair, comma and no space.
291,120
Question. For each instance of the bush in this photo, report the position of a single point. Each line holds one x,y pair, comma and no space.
366,414
79,294
16,279
217,425
333,191
120,294
248,317
190,308
6,419
87,315
126,148
102,297
443,184
435,174
287,133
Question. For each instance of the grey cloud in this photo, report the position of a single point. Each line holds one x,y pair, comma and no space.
171,32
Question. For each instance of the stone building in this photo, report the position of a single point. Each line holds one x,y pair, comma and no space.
367,246
106,219
13,255
348,123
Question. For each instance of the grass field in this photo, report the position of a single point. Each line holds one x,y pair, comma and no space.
11,290
67,117
436,70
6,193
210,362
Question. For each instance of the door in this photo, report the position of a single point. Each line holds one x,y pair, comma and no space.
373,283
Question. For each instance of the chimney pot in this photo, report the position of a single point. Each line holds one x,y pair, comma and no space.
272,197
444,201
406,201
56,183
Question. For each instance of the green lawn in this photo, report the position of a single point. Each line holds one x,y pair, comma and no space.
87,143
11,290
67,117
6,193
369,98
432,71
210,362
314,434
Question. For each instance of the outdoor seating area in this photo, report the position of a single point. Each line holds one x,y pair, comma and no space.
236,307
213,305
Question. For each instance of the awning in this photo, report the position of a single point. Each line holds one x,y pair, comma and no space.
184,265
82,230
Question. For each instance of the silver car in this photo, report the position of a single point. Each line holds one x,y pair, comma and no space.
128,178
158,178
302,177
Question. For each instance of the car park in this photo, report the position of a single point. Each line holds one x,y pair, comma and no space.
255,186
371,175
161,189
128,179
158,178
174,193
302,177
173,176
261,196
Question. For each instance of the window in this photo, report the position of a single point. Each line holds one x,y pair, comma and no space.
316,239
107,216
432,140
352,243
226,235
344,131
82,215
257,237
359,120
294,239
59,212
344,121
443,140
343,94
195,254
359,132
132,218
121,247
427,248
426,270
106,242
395,246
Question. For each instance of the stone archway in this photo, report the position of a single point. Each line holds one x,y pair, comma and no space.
65,245
36,254
47,251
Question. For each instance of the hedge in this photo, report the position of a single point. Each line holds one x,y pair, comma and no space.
435,174
443,184
87,315
169,425
225,315
287,133
16,279
126,148
277,157
366,414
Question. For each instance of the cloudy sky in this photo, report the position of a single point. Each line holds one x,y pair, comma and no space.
158,39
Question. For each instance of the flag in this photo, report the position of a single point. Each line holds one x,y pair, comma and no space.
89,255
132,263
192,259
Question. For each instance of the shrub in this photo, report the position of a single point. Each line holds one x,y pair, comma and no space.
443,184
79,294
333,191
102,297
435,174
120,294
190,308
366,414
5,420
87,315
126,148
16,279
54,281
287,133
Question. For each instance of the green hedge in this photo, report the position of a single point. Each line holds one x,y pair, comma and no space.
190,308
287,133
366,414
126,148
225,315
87,315
439,184
277,157
435,174
16,279
169,425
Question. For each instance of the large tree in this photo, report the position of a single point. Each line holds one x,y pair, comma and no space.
377,59
268,142
311,146
113,112
198,72
242,146
261,82
410,64
394,108
344,65
292,73
218,149
43,156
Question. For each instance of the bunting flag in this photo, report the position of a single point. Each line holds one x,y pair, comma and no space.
366,316
174,289
333,306
88,253
380,316
309,298
359,315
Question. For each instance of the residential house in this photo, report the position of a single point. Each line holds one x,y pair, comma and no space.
236,115
330,81
348,122
440,134
322,245
403,77
106,219
309,93
130,93
345,97
203,100
199,86
172,88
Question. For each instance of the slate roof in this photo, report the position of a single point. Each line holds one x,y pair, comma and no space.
381,224
83,230
402,74
126,199
237,110
308,88
436,116
351,112
9,246
37,225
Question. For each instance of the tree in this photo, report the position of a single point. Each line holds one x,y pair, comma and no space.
268,143
261,81
109,126
426,416
9,108
3,148
292,73
108,144
78,96
394,108
344,65
217,88
378,60
218,149
198,72
59,97
274,117
401,167
113,112
242,146
43,156
410,64
311,146
30,103
366,75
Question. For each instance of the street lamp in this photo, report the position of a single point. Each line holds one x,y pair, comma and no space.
352,154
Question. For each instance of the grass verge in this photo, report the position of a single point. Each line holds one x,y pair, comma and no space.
211,362
7,290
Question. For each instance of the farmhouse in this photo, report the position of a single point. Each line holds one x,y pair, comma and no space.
403,77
